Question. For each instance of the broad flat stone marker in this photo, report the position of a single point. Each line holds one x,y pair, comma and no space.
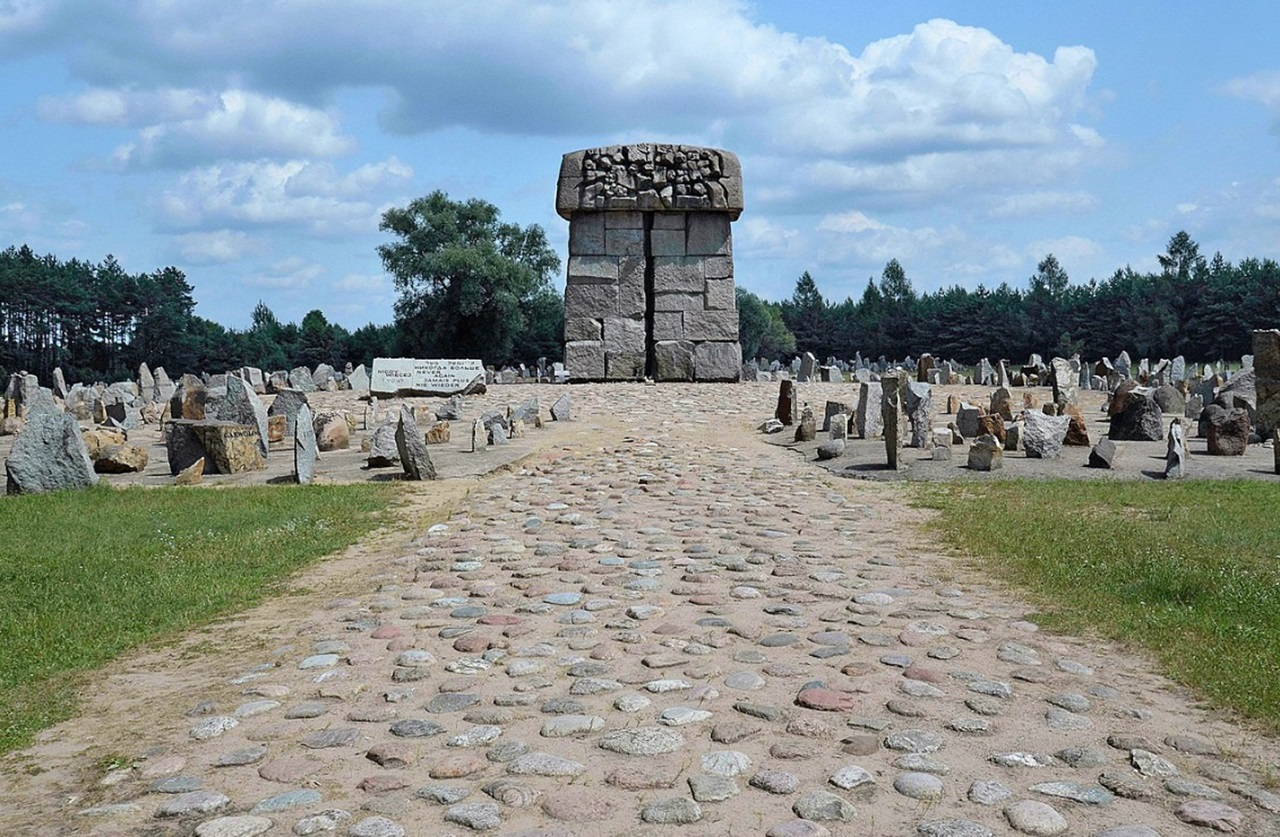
650,288
417,376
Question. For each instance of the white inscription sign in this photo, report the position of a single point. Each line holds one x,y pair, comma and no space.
431,376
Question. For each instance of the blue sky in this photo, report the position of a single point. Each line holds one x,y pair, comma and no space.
256,144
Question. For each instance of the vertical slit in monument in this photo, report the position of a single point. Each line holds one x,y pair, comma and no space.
650,302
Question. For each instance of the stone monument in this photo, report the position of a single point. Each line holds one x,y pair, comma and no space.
649,291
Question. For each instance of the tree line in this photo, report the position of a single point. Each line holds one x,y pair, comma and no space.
100,322
1202,309
470,285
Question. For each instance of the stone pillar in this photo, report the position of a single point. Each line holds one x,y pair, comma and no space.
649,290
891,416
1266,369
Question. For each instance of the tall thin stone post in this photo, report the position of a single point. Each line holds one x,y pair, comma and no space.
891,414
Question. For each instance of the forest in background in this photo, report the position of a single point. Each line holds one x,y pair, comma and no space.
99,322
1202,309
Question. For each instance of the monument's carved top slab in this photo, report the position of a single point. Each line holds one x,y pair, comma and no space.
650,177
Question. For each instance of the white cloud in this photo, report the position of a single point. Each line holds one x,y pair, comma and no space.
125,107
216,247
858,237
1263,88
1032,204
297,193
292,274
945,108
40,225
763,238
1069,250
180,127
20,16
362,283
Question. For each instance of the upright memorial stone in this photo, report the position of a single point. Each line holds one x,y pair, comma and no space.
305,451
787,411
1266,370
919,403
808,363
414,457
985,374
1002,374
242,406
359,379
1175,467
867,417
289,403
892,384
649,290
1064,382
49,455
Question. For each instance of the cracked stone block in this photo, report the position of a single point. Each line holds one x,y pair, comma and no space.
591,300
717,361
585,360
711,325
624,242
720,294
631,297
582,328
626,366
668,325
673,360
680,301
586,234
624,221
623,336
666,243
709,234
592,269
678,273
567,202
718,267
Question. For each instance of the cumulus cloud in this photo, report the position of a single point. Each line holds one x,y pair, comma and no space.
216,247
124,108
18,17
245,103
942,109
856,236
761,237
1032,204
1068,249
39,224
291,274
1263,88
298,193
362,283
180,127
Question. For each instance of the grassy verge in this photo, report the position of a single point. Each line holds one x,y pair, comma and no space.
87,575
1188,570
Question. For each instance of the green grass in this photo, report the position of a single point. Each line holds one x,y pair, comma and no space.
1189,571
87,575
